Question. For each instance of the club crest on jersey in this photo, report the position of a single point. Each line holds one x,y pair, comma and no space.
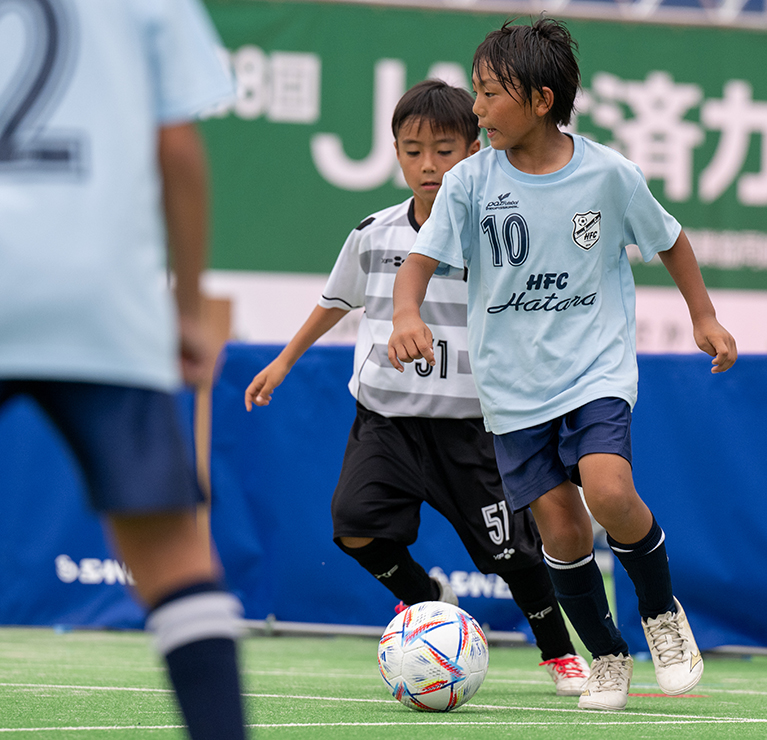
586,229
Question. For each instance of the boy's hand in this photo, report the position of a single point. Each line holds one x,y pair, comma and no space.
715,340
195,352
260,390
410,340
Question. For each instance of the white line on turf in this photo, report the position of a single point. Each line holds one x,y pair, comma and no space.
374,677
503,707
91,729
431,723
90,688
665,718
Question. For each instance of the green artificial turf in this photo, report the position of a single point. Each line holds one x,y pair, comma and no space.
108,685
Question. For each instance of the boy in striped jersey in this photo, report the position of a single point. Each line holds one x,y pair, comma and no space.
419,436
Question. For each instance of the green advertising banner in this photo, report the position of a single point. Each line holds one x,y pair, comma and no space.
306,151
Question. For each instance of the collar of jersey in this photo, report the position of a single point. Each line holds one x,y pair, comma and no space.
566,171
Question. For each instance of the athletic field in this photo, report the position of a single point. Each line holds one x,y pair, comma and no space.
108,685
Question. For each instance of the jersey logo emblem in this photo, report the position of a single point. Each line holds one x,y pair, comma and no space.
501,203
586,229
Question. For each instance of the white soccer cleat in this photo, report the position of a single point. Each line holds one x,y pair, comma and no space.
569,674
675,655
607,687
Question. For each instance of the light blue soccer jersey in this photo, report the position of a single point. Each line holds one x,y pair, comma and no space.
551,296
84,86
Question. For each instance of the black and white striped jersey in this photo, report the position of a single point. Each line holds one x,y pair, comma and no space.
363,276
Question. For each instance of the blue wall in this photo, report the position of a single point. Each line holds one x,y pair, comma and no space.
698,440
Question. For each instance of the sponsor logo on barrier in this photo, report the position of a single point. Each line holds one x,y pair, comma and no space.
475,585
92,571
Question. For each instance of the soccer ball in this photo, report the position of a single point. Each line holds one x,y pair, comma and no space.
433,656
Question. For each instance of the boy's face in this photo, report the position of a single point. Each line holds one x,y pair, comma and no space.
508,119
426,154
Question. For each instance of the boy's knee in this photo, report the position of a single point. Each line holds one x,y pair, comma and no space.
355,542
613,504
569,540
577,541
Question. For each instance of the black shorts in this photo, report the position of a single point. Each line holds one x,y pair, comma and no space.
392,465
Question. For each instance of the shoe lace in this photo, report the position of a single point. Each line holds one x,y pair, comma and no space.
666,640
567,667
608,674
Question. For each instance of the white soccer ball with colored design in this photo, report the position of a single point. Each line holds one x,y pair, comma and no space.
433,656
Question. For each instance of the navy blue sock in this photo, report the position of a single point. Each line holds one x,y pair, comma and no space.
393,565
195,630
646,563
581,592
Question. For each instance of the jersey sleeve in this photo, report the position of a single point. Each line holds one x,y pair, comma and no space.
188,64
346,285
446,234
647,224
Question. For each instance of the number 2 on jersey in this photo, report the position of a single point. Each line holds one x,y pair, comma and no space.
27,99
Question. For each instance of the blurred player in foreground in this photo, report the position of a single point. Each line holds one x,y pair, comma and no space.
543,218
419,436
96,143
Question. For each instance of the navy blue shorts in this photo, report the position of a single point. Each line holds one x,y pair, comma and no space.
533,461
128,442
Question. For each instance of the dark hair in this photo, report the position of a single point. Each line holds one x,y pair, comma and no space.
526,58
444,107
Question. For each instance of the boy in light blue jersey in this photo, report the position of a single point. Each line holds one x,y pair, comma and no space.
99,160
542,219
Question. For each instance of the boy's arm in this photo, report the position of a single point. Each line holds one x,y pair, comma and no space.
320,321
709,334
411,339
184,181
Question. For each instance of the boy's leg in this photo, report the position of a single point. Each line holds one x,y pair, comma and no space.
134,457
565,528
536,465
467,490
638,542
646,563
610,494
376,505
392,565
533,593
534,475
528,580
195,622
